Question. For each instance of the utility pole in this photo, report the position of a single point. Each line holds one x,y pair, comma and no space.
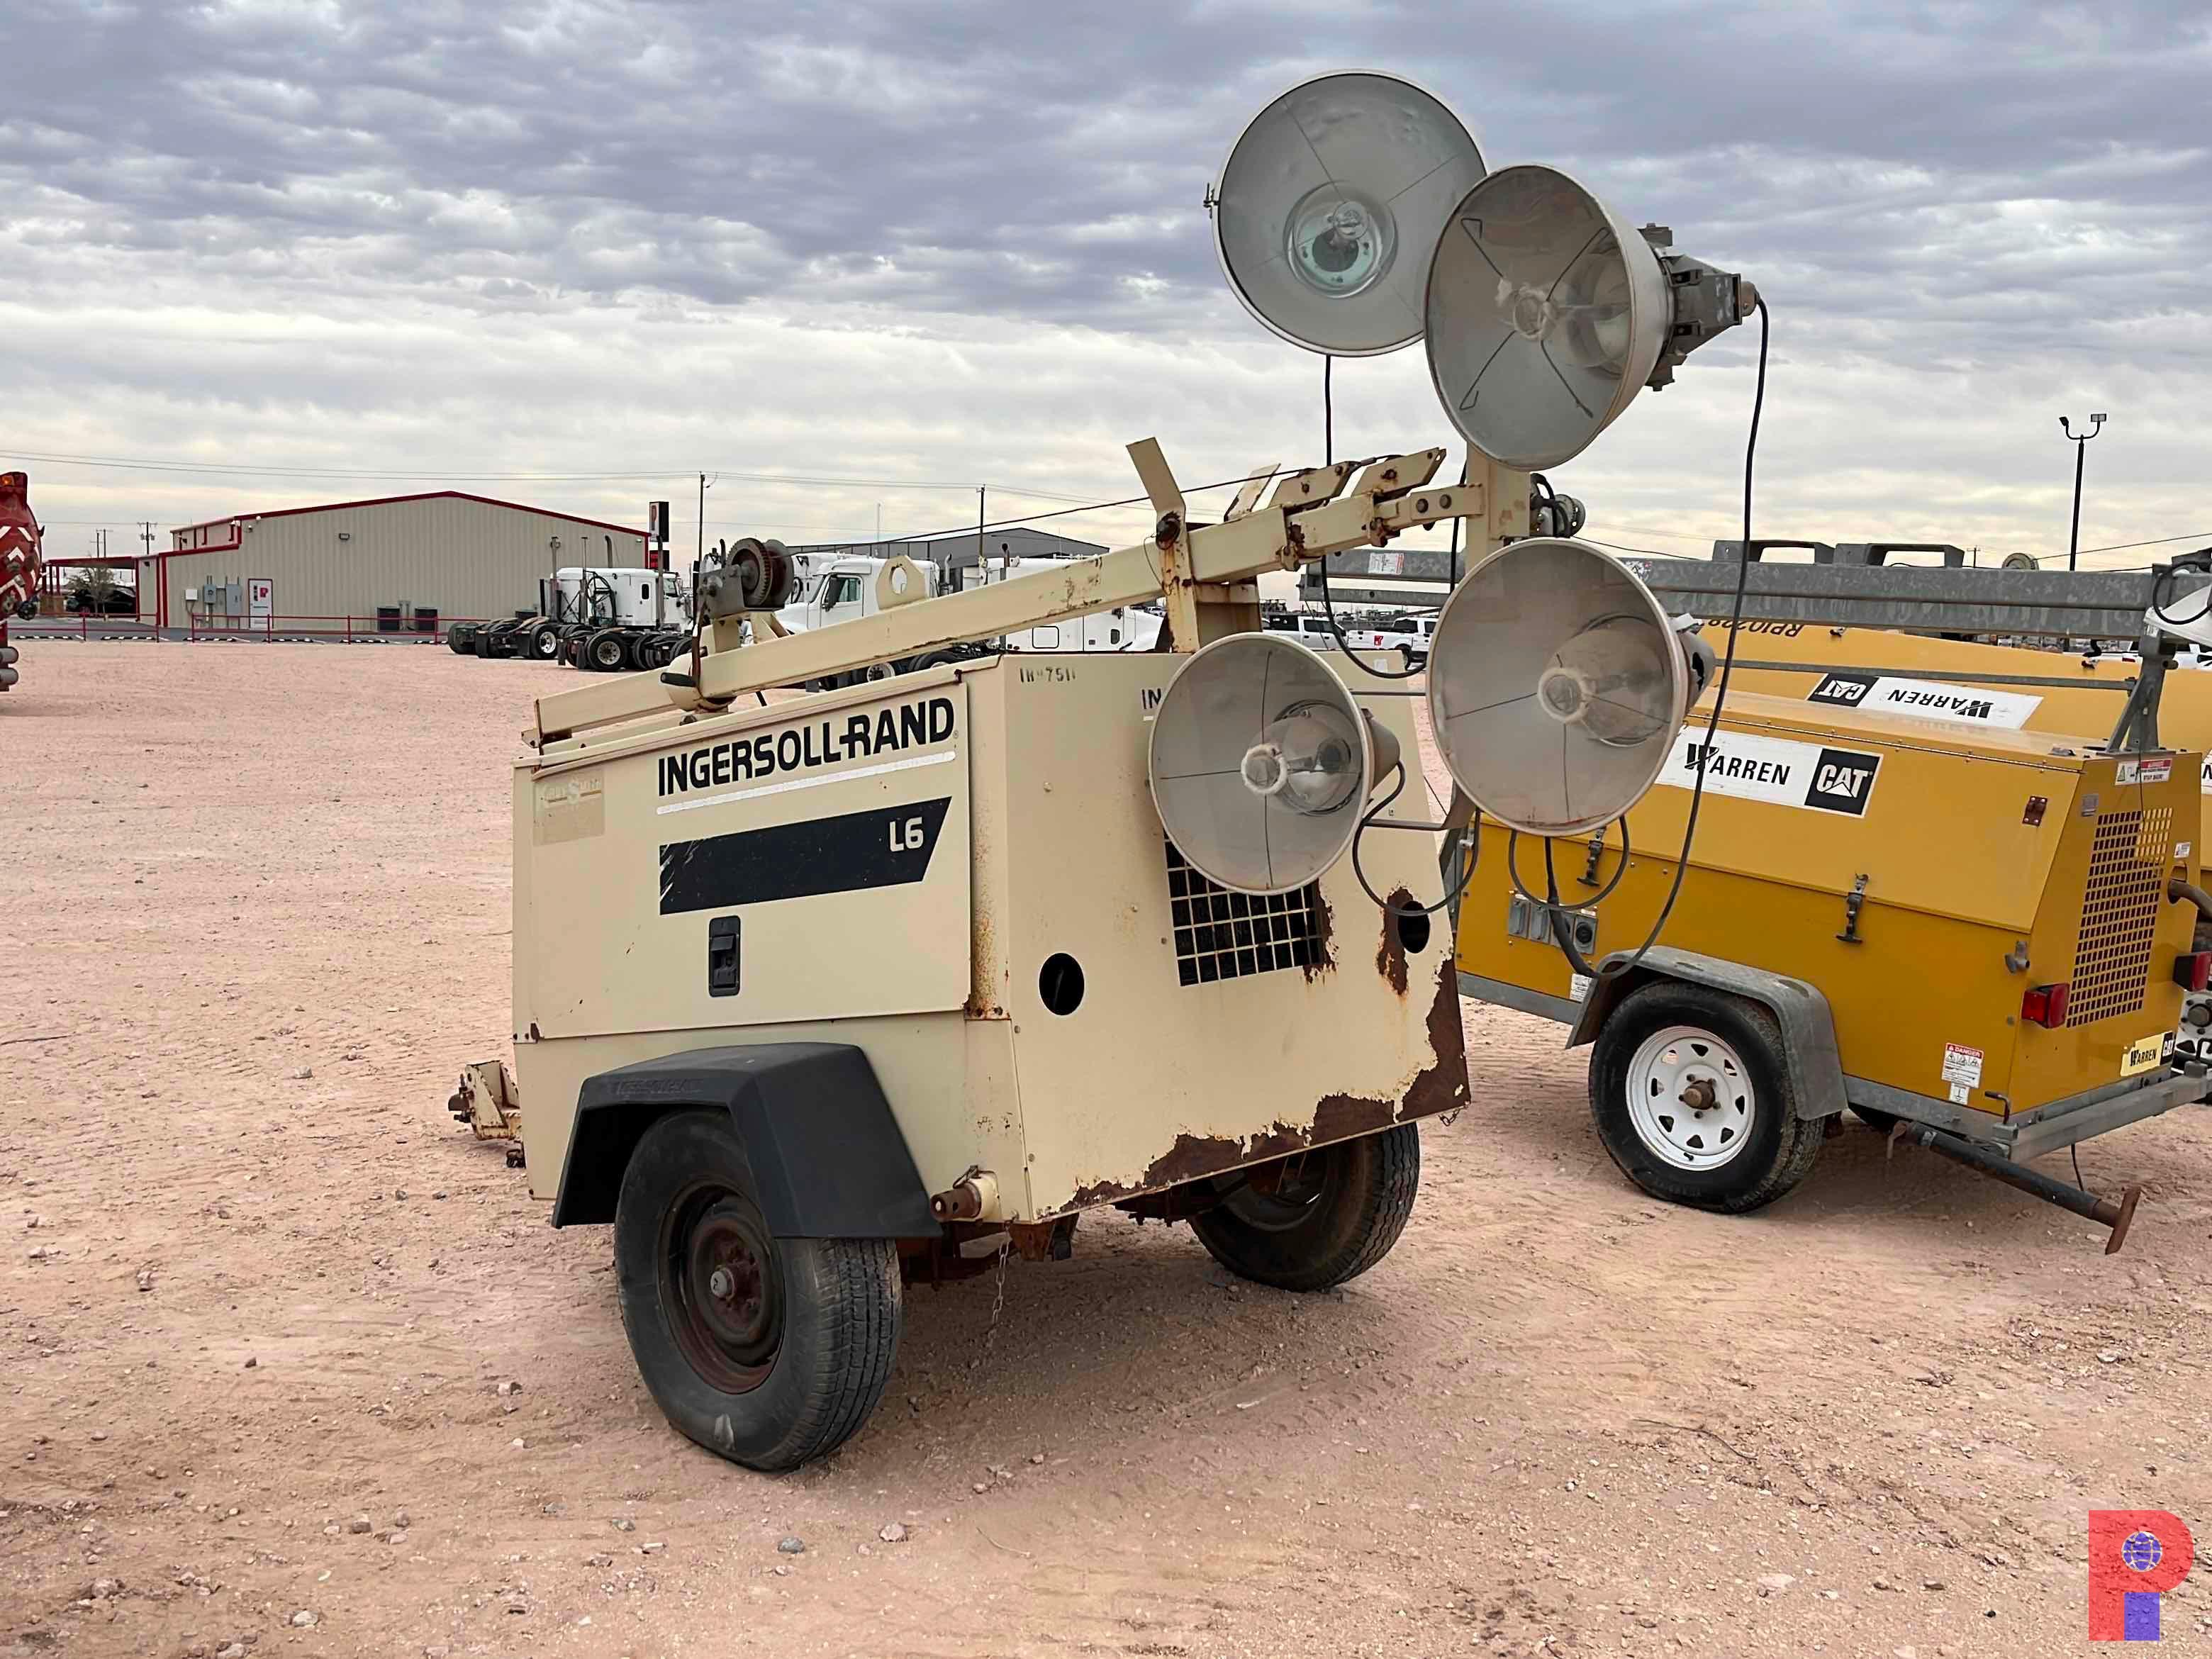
2081,445
982,570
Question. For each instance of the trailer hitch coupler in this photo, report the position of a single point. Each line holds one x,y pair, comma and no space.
2118,1214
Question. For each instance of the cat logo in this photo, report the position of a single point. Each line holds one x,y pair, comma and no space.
1842,780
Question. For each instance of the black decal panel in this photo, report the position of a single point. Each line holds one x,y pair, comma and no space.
882,847
1843,781
1848,689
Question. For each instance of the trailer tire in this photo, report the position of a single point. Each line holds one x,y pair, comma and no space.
544,642
1341,1211
1742,1152
789,1364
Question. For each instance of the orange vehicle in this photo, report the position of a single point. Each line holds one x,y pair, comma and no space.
20,537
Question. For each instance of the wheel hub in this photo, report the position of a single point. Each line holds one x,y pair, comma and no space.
1690,1098
721,1289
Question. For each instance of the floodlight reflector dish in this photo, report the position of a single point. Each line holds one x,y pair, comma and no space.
1261,763
1547,313
1556,687
1328,205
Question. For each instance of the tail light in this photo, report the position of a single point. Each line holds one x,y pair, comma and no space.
2044,1006
2192,971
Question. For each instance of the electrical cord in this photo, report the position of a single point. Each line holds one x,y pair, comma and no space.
1513,870
1329,604
1473,842
1720,699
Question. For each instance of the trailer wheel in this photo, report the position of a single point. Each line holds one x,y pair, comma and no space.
1691,1096
765,1350
460,640
1335,1213
544,642
606,651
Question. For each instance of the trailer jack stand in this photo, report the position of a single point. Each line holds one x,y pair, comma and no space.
2115,1214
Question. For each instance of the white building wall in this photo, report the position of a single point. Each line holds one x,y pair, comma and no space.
463,558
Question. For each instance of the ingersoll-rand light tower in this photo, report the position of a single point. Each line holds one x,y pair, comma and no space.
818,995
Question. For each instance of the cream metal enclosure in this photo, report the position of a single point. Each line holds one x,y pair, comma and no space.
460,555
911,863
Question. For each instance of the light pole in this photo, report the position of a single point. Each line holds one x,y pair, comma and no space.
2081,440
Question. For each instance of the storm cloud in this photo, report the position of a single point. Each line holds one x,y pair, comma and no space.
962,244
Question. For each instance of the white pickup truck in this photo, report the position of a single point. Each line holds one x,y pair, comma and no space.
1408,636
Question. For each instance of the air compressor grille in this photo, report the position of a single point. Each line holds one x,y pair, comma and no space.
1220,935
2119,914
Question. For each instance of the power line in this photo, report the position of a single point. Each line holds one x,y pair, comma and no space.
1066,512
2121,547
214,469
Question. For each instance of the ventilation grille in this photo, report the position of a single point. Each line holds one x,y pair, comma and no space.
1220,935
2119,914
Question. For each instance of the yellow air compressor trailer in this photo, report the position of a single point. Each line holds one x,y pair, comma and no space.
1973,933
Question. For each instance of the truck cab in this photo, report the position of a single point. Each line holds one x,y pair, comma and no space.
617,597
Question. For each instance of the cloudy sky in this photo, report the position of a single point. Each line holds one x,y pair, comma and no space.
316,249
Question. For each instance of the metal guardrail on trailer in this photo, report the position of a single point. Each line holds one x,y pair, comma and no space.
1852,584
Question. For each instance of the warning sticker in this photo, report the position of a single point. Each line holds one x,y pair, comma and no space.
1959,1093
1756,767
1962,1065
1885,694
2144,1054
2145,771
1578,986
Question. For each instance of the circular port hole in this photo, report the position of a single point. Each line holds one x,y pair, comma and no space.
1412,931
1060,983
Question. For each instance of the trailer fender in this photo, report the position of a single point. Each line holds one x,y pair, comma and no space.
1808,1030
827,1158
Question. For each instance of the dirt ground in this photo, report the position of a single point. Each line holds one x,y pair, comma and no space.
257,1284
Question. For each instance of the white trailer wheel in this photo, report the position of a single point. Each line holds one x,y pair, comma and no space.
1690,1099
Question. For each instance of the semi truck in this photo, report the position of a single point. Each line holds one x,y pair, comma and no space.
602,618
20,561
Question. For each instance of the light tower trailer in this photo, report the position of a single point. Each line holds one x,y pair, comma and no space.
817,997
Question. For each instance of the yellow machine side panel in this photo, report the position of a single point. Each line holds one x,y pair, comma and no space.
2108,930
1955,881
1829,791
1844,666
